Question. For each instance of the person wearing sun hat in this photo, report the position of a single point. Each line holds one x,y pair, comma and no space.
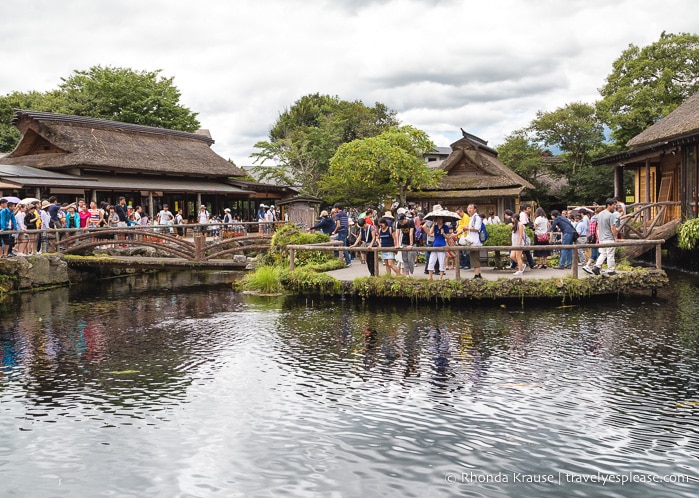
325,224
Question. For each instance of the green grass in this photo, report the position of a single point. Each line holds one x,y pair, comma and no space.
265,279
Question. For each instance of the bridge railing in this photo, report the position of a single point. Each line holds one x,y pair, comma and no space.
204,241
475,251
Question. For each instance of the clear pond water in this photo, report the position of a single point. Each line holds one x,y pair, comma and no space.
128,389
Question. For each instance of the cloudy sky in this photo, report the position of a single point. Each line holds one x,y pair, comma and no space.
487,67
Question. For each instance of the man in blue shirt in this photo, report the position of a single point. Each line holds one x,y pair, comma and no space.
7,222
342,229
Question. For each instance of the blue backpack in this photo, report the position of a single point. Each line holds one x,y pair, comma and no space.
483,233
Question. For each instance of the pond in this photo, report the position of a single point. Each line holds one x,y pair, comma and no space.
129,388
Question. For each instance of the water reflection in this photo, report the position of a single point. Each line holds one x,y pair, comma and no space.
202,391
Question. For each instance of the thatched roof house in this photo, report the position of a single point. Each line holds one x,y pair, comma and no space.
474,174
663,158
63,142
140,162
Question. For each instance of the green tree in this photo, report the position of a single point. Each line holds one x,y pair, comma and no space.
307,135
524,156
122,94
648,83
139,97
574,129
386,166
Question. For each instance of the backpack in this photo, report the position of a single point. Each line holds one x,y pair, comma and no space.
483,233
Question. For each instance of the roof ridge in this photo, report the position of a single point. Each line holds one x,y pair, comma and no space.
104,123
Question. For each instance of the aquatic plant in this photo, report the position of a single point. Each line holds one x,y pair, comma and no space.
266,279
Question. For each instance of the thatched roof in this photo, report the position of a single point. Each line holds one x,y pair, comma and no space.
682,121
63,142
474,166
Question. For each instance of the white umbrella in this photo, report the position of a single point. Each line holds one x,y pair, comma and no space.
443,213
29,200
12,199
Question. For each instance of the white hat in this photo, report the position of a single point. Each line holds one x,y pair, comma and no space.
272,206
263,206
388,214
226,210
401,211
323,213
202,206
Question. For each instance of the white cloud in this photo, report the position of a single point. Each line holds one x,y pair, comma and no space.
442,64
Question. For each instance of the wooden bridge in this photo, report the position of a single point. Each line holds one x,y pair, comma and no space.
199,250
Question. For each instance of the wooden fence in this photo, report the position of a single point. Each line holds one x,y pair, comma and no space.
475,251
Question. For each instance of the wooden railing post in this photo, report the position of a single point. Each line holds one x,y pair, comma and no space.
457,263
292,259
575,263
199,244
659,256
377,266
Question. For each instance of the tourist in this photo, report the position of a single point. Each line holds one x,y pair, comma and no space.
439,230
269,220
165,217
518,239
342,229
492,219
474,238
541,238
325,224
53,209
385,238
562,224
22,239
582,226
405,237
83,213
462,229
122,211
96,216
112,217
524,219
72,218
429,240
606,232
593,238
46,222
366,238
261,211
32,221
8,222
203,219
179,221
508,219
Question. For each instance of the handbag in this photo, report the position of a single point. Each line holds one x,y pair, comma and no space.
463,241
542,238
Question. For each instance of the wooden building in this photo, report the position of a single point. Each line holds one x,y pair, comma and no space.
664,160
474,174
149,166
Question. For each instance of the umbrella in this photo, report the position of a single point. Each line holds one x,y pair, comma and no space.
29,200
584,209
443,213
12,199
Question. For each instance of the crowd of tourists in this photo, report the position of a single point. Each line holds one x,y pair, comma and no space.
37,218
410,227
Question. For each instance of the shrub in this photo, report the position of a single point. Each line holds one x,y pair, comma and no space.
688,234
278,253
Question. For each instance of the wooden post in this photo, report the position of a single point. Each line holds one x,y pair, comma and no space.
375,255
292,262
658,256
199,243
457,264
575,263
